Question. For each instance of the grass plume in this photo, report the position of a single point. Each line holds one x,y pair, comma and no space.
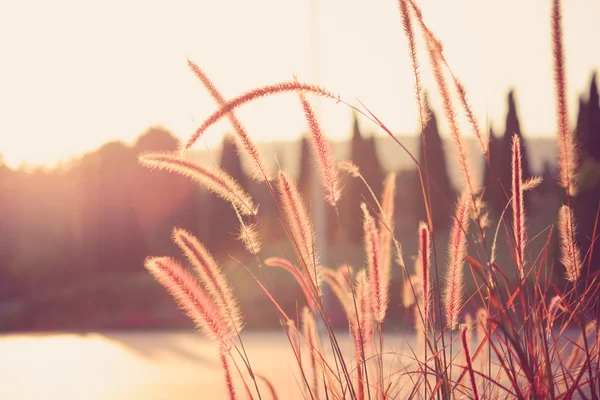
268,90
212,178
259,170
518,206
379,289
424,270
567,149
211,276
457,251
386,227
323,154
521,344
301,227
570,253
191,298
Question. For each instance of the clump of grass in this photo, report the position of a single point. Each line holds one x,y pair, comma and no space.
520,344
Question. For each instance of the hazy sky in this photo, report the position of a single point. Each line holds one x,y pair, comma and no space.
76,73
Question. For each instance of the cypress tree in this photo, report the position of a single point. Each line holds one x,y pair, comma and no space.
513,127
441,192
9,229
306,170
582,132
363,153
493,193
593,125
371,166
223,222
162,200
549,183
585,203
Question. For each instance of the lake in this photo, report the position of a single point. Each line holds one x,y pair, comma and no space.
145,365
158,365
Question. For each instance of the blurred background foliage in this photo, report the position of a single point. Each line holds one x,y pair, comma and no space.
73,238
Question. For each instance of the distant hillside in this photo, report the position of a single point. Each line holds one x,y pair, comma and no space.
392,156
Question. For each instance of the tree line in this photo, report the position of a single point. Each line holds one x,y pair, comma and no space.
73,239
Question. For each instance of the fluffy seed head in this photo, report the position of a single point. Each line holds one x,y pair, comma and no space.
566,144
424,264
457,251
409,32
386,226
212,277
300,226
436,57
259,171
364,306
214,179
570,253
518,206
349,167
250,236
190,296
254,94
379,288
532,183
323,154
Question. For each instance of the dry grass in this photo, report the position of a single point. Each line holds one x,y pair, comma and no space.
516,347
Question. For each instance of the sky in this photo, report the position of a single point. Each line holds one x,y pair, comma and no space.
78,73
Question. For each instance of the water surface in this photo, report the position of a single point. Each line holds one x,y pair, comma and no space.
148,365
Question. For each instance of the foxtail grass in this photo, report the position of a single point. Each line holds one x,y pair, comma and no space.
521,333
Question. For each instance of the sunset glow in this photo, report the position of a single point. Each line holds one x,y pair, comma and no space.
290,199
79,74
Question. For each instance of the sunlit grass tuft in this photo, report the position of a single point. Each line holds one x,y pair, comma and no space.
518,344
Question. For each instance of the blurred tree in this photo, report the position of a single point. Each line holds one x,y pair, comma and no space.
494,193
549,185
121,245
441,192
496,177
306,175
371,167
156,139
8,225
162,200
585,203
363,154
10,286
306,169
593,121
513,127
222,220
582,132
